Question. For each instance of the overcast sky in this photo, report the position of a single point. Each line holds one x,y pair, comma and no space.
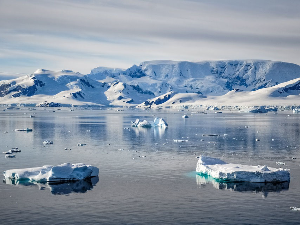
83,34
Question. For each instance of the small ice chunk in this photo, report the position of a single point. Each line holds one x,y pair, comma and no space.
81,144
210,135
26,129
280,163
223,171
8,152
63,172
158,122
15,150
294,208
46,142
181,140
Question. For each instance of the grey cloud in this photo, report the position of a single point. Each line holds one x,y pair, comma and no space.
116,28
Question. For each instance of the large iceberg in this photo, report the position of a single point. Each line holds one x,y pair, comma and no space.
158,122
60,173
228,172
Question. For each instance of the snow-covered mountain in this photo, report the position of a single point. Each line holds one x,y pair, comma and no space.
161,83
207,78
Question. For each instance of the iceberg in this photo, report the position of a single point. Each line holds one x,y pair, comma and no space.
138,123
229,172
158,122
48,173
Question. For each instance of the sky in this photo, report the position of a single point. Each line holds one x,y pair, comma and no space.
80,35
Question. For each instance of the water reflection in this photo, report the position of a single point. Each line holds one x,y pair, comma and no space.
263,188
64,188
157,131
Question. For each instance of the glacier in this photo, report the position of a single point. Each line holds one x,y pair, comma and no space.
49,173
229,172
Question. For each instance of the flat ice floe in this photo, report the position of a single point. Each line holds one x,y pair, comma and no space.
222,171
47,173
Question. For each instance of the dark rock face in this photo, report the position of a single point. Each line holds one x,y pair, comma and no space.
6,89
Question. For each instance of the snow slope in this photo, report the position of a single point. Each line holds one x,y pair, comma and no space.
284,94
162,84
207,78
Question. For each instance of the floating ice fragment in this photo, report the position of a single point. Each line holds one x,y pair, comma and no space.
180,140
294,208
295,111
81,144
63,172
210,135
8,152
27,129
46,142
222,171
158,122
280,163
15,150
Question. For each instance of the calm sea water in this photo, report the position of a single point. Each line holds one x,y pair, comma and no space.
145,177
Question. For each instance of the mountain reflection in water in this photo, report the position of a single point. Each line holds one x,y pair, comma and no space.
62,188
264,188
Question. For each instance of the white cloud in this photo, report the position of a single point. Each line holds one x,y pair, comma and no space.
81,35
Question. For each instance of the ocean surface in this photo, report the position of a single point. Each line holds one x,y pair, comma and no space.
145,176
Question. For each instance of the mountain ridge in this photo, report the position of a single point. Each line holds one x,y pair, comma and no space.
152,83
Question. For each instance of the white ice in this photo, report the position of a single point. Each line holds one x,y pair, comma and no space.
223,171
158,122
48,173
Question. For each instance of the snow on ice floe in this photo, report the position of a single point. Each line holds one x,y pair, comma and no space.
48,173
222,171
158,122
